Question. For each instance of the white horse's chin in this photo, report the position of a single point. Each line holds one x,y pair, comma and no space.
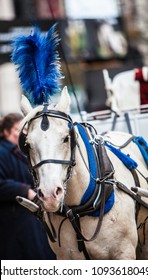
51,204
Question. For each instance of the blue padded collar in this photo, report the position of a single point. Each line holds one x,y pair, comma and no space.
92,164
93,170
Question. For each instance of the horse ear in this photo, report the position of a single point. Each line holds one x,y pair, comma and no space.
64,103
25,105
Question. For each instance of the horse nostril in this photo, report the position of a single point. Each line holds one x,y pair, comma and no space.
59,191
40,193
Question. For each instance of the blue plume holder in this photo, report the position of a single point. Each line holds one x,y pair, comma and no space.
45,120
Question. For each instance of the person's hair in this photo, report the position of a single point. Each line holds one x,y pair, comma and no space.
8,121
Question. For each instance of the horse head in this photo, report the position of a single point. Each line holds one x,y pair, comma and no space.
47,142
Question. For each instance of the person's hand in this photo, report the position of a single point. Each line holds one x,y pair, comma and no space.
31,194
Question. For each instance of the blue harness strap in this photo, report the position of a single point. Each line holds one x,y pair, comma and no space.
127,160
93,170
92,164
143,147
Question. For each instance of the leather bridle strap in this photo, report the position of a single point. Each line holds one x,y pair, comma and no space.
58,161
54,114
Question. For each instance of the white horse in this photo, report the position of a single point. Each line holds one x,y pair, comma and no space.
48,140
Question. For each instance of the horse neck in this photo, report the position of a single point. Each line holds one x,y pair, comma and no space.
80,177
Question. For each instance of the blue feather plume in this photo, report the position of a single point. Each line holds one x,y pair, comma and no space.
37,61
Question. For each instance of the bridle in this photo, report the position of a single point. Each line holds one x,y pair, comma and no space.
24,146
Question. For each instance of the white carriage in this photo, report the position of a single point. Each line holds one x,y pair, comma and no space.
123,97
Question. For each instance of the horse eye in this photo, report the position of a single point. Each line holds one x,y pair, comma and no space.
66,139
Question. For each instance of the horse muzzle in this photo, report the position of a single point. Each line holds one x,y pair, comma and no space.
51,202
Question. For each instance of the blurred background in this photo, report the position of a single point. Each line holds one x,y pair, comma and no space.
95,35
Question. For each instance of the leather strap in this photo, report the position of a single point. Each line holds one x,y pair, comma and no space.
134,196
137,183
73,221
124,144
52,161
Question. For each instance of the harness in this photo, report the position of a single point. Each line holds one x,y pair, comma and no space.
104,180
102,191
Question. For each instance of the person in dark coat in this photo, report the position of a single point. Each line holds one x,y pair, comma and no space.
22,235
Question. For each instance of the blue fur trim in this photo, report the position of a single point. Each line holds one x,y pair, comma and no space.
127,161
37,62
143,147
93,170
